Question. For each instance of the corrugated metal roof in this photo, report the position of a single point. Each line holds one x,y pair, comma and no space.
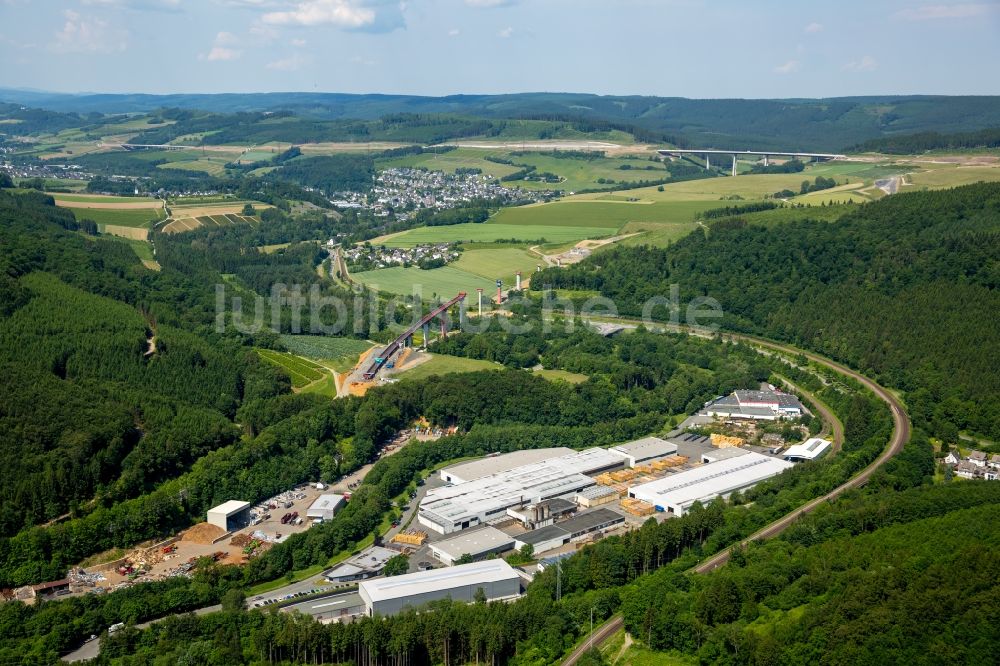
396,587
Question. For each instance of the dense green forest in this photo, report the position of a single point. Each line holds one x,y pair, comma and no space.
908,144
905,289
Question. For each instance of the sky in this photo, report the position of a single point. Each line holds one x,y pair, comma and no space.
688,48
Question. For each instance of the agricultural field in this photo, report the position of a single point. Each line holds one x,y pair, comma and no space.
497,262
191,216
138,218
339,353
440,364
460,158
444,282
80,198
302,371
213,166
940,176
488,233
578,173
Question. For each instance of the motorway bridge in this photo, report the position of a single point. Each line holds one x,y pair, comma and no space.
440,311
707,153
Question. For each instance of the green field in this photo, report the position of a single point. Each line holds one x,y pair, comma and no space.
340,353
464,158
486,233
561,376
951,176
140,218
442,365
579,174
84,198
302,371
500,262
444,282
213,166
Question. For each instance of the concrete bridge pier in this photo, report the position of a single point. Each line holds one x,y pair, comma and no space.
765,160
708,161
427,334
734,164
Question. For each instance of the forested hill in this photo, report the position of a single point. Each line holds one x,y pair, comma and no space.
106,390
908,144
815,124
905,289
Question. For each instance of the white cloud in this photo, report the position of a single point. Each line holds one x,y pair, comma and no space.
454,32
289,64
222,53
489,3
866,64
788,67
221,50
342,13
506,32
367,62
936,12
298,43
81,34
814,27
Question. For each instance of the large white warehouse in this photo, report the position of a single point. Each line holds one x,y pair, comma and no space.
676,493
452,508
388,596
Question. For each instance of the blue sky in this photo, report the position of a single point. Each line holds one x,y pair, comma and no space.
691,48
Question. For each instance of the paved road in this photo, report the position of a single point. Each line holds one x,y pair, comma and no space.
91,649
900,435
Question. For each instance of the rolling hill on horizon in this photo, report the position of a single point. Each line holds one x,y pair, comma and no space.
779,124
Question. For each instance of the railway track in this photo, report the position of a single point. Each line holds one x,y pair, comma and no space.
900,435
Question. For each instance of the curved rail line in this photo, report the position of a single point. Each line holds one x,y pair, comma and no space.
900,435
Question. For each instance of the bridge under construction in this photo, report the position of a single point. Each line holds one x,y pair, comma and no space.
440,312
707,153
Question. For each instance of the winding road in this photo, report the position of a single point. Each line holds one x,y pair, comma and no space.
900,435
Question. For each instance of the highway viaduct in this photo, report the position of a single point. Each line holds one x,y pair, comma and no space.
708,152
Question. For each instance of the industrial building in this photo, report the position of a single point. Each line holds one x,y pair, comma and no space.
452,508
497,464
388,596
758,405
366,564
726,453
544,513
645,449
675,494
325,507
477,543
557,535
596,496
229,516
811,449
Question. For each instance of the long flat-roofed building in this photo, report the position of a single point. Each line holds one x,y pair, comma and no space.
477,543
477,469
452,508
554,536
676,493
388,596
645,449
758,405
